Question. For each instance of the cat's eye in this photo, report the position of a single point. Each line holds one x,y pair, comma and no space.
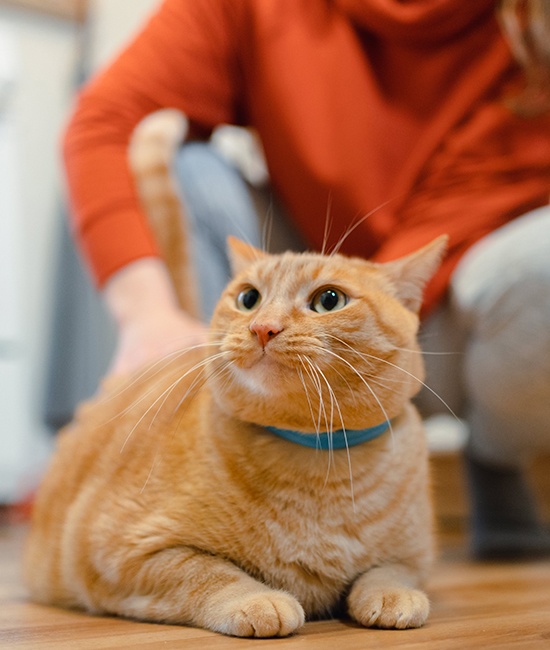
328,300
248,299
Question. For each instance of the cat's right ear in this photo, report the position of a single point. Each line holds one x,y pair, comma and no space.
241,254
410,274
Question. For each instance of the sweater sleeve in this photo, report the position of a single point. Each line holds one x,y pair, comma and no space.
184,58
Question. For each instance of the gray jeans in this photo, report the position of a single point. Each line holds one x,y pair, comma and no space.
493,331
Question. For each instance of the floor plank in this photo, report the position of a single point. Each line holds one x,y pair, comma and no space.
474,606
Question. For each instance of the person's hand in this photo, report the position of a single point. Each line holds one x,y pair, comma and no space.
150,323
155,335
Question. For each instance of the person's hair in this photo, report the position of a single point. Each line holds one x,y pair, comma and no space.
526,25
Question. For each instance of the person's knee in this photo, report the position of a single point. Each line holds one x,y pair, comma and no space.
196,160
214,192
495,271
502,293
508,357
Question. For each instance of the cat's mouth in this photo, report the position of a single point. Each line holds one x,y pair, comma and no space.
270,359
265,363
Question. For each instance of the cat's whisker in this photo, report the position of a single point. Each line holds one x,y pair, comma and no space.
228,376
242,233
328,224
193,384
370,389
424,352
356,225
203,379
386,382
317,383
410,374
360,374
346,382
333,397
197,366
301,375
315,373
268,227
195,381
160,441
346,348
316,422
168,390
167,359
322,347
161,405
152,389
151,470
169,393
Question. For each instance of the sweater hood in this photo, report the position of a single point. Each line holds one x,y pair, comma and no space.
416,20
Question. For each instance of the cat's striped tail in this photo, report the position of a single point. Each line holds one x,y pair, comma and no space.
151,155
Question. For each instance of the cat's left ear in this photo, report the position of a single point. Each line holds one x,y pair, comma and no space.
410,274
241,254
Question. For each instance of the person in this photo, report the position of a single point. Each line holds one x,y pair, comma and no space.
429,116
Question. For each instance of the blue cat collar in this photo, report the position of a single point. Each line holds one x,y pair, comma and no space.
341,439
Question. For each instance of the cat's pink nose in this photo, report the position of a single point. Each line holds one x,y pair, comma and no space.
265,332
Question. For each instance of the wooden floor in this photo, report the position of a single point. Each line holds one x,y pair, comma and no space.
473,606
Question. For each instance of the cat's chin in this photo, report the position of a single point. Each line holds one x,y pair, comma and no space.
265,376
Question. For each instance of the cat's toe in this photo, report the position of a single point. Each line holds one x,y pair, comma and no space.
263,615
398,608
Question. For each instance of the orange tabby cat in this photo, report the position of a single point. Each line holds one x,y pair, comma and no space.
170,500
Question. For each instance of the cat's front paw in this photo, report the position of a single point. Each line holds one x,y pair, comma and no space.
391,607
261,615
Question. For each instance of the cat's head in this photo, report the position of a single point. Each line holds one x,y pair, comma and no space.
308,338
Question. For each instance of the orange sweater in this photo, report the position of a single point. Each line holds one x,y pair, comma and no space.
385,106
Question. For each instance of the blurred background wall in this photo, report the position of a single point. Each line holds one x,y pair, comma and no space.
44,48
